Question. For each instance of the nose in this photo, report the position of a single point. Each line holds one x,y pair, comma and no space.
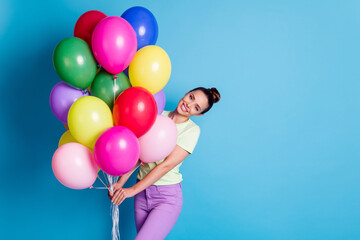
187,105
190,105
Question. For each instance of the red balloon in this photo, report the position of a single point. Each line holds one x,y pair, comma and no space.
136,109
86,23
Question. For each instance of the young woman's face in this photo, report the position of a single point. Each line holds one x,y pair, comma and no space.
193,103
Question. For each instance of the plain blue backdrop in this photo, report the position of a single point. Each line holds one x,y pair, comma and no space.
278,156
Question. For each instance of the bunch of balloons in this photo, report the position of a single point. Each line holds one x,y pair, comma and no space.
113,118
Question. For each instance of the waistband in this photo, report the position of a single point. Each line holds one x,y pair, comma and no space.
157,187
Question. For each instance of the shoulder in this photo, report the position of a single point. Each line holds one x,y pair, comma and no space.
188,135
191,128
165,113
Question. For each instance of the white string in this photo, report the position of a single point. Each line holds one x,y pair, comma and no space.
106,179
114,88
102,182
114,210
114,213
135,169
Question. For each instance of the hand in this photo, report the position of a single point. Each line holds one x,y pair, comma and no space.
121,194
116,187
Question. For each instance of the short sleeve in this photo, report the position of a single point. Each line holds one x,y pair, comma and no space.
188,139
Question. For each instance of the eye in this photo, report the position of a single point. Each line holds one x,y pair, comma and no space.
191,96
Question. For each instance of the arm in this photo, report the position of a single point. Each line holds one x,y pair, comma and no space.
123,179
177,156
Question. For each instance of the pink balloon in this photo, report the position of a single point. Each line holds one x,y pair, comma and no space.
114,44
74,166
117,150
159,141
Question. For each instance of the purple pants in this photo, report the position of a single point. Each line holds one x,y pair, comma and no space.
157,209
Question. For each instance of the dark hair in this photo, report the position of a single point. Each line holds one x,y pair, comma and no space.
212,95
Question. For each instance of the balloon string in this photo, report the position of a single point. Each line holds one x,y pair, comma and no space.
110,185
99,188
115,77
102,181
106,179
114,211
135,169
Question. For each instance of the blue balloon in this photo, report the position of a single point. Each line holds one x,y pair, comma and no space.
144,24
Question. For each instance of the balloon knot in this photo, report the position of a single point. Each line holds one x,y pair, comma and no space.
91,187
115,77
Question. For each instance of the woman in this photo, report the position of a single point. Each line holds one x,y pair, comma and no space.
158,194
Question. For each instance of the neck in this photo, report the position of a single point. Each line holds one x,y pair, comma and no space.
177,118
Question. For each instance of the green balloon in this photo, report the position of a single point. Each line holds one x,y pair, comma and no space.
74,62
103,86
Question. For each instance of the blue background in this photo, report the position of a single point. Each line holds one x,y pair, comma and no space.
278,156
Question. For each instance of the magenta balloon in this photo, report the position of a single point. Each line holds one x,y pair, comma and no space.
114,44
117,150
62,96
74,166
160,101
159,141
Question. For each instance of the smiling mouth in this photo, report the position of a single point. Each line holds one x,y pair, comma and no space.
183,108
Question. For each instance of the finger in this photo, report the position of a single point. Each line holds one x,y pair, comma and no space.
120,198
113,199
116,190
116,196
115,187
123,197
116,201
112,193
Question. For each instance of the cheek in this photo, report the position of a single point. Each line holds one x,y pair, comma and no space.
193,111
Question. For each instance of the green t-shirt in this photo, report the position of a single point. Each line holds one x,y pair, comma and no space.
188,135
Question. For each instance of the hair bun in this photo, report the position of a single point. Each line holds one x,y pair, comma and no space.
216,95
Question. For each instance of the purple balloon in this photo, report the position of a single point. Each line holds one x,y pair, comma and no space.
62,96
160,101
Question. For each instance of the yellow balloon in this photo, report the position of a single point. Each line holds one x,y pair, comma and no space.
150,68
66,138
88,117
